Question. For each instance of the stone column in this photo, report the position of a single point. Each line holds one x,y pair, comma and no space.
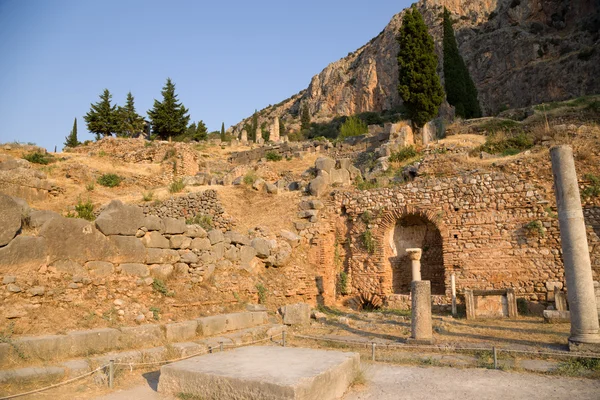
415,258
576,255
421,327
274,134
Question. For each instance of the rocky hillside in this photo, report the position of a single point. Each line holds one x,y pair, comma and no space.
519,52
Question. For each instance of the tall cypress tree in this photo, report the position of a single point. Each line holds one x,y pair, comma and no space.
169,117
305,118
71,140
282,130
419,85
130,122
102,118
460,89
222,131
254,129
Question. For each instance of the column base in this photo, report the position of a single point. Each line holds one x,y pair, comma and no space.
585,343
420,341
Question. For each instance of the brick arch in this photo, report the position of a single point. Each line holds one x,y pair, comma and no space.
388,223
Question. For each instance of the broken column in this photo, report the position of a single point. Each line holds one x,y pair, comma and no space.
274,131
244,137
421,327
585,331
415,259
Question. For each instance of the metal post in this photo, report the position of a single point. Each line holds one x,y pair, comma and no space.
373,351
111,373
221,346
283,339
453,284
495,357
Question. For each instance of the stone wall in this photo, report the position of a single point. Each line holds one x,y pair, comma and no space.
497,231
285,150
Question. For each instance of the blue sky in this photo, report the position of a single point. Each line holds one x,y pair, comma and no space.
226,58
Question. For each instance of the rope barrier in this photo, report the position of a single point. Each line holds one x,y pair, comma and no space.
54,385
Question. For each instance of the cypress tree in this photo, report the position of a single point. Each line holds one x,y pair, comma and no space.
169,117
419,86
130,122
71,140
222,131
460,89
254,131
282,131
305,118
102,118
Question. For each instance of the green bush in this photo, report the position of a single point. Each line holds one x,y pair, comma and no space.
39,158
110,180
353,126
362,184
262,293
535,228
161,287
147,196
273,156
368,241
342,283
506,145
205,221
250,177
176,186
403,154
85,210
592,190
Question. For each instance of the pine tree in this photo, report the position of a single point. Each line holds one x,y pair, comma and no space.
102,118
222,131
71,140
419,86
305,118
191,130
201,131
130,122
460,89
169,117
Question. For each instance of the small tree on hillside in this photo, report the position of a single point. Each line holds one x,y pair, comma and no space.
254,128
129,121
282,131
305,118
419,86
169,117
460,89
201,131
102,118
71,140
353,126
222,131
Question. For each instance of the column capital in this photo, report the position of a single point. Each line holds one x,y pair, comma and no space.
414,254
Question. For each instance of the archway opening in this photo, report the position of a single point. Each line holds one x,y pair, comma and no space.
415,231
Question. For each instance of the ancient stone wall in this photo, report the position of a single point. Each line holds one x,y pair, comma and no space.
497,231
285,150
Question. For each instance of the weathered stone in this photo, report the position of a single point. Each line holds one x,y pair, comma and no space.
262,247
340,176
215,236
68,267
135,269
181,331
256,307
153,223
232,254
24,251
174,226
75,239
247,254
280,255
99,268
318,316
195,231
556,316
421,327
162,256
325,164
238,181
200,244
259,184
318,186
180,242
37,291
188,257
128,249
120,219
296,314
307,213
9,279
354,172
237,238
155,240
272,189
343,163
10,219
12,288
37,218
218,250
290,237
315,204
181,270
161,271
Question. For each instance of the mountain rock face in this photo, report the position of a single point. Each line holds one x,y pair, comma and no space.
519,53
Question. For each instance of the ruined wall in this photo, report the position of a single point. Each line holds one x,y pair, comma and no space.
482,220
285,150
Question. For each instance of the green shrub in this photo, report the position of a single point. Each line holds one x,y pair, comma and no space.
250,177
592,190
580,366
147,196
535,229
39,158
506,145
204,220
273,156
110,180
403,154
176,186
161,287
90,186
85,210
353,126
155,312
366,217
342,283
362,184
262,293
368,241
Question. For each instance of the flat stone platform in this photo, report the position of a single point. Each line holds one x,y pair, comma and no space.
262,372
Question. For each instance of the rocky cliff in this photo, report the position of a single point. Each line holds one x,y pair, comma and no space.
519,53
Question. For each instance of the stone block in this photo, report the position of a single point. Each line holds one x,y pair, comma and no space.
10,219
181,331
247,254
32,374
154,239
211,326
237,238
135,269
325,164
195,231
161,271
120,219
188,257
256,307
92,341
296,314
162,256
68,267
180,242
127,249
99,268
556,316
24,251
290,237
200,244
153,223
133,336
215,236
218,250
318,186
262,247
37,218
174,226
263,373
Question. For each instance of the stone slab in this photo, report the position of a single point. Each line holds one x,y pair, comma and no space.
262,372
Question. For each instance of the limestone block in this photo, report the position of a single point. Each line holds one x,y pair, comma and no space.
181,269
259,184
195,231
211,326
180,242
200,244
24,251
174,226
325,164
343,163
99,268
155,240
37,218
215,236
272,188
280,255
315,204
92,341
557,316
290,237
153,223
296,314
354,172
161,271
68,267
149,334
188,257
218,250
340,176
162,256
32,374
10,219
120,219
247,254
128,249
232,254
262,247
237,238
135,269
